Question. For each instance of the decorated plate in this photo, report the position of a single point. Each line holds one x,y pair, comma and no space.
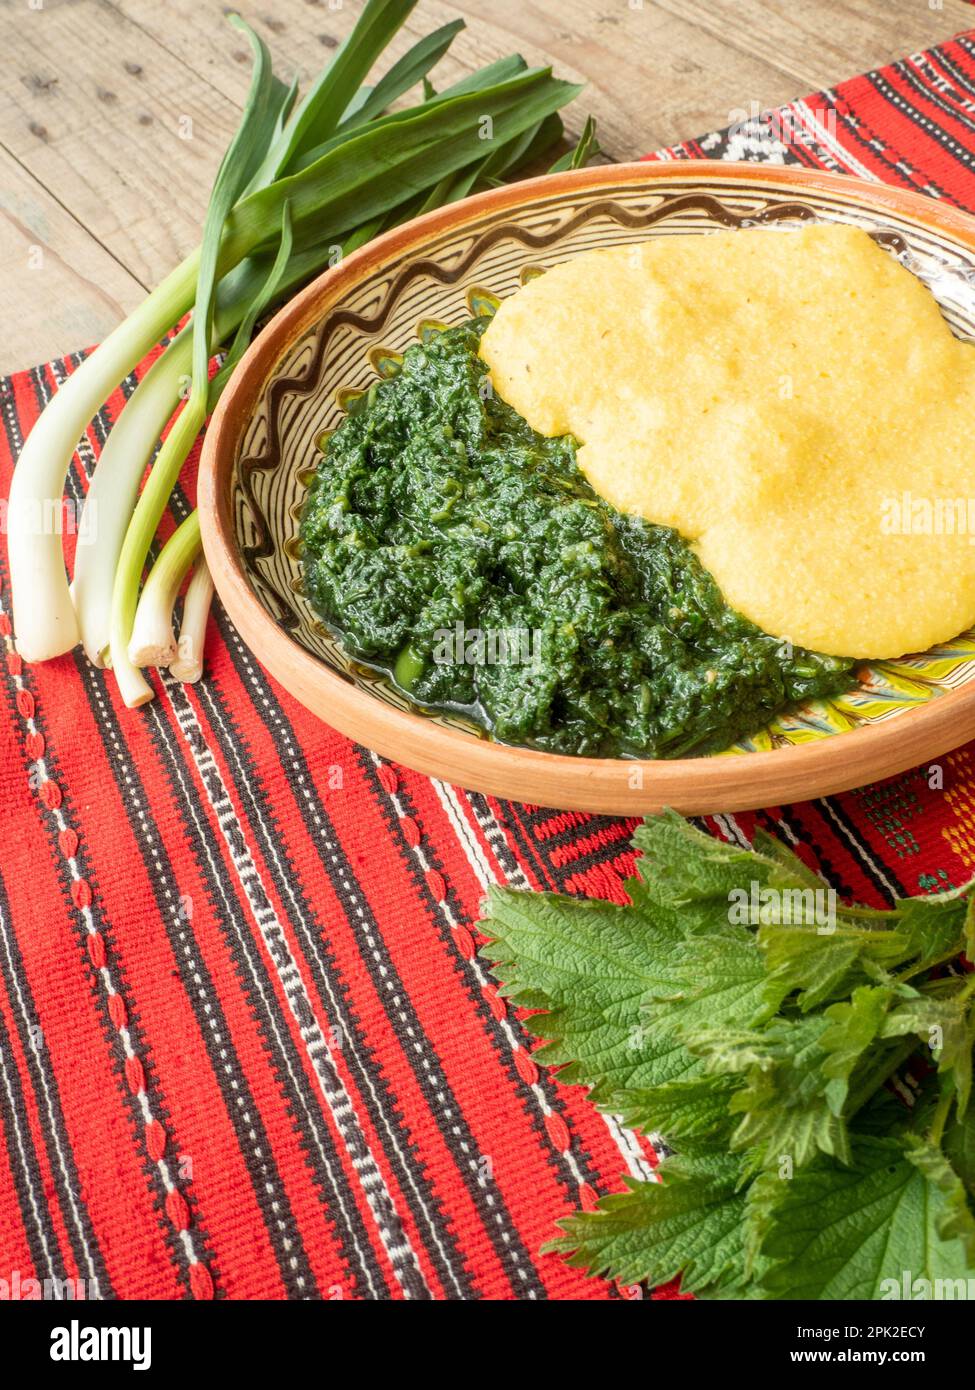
350,328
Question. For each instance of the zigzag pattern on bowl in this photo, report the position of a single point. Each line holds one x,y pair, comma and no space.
457,274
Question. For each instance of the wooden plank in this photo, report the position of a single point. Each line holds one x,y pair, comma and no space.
658,71
97,95
651,77
62,289
114,127
821,44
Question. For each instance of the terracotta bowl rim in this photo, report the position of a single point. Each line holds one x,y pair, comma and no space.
692,785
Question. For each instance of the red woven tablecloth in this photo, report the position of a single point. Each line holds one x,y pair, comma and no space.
246,1046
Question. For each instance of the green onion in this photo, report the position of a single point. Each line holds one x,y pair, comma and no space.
297,181
152,642
188,665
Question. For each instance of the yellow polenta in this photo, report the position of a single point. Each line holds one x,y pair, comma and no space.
792,402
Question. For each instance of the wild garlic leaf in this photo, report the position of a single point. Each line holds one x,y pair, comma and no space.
835,1232
691,1223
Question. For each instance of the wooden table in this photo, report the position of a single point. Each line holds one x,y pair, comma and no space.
113,113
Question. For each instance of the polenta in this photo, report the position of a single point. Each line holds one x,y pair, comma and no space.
771,395
452,547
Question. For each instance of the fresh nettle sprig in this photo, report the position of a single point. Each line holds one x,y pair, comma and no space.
811,1074
302,184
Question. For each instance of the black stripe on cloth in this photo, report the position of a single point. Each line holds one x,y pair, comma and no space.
35,1211
151,1168
532,818
379,1199
953,75
522,841
948,143
606,851
493,828
85,1247
792,832
291,1064
846,833
859,134
416,1048
241,1106
930,93
568,1177
967,46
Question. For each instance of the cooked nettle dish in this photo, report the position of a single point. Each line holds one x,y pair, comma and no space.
639,510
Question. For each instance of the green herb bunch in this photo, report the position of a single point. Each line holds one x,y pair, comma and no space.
811,1071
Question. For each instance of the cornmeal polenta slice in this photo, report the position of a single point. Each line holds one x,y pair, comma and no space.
791,401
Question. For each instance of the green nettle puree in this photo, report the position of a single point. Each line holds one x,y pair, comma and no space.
447,543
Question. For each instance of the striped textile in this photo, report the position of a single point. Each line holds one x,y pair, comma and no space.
247,1048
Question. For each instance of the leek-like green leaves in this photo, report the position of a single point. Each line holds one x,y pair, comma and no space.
298,181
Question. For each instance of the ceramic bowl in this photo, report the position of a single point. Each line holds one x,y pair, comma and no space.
330,342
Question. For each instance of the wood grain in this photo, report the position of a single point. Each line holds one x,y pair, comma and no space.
98,97
61,287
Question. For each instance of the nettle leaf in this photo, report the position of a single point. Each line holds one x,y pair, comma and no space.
959,1146
851,1029
956,1220
693,1109
759,1046
616,983
834,1232
717,979
934,928
823,965
690,1223
591,965
681,865
943,1025
783,1104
